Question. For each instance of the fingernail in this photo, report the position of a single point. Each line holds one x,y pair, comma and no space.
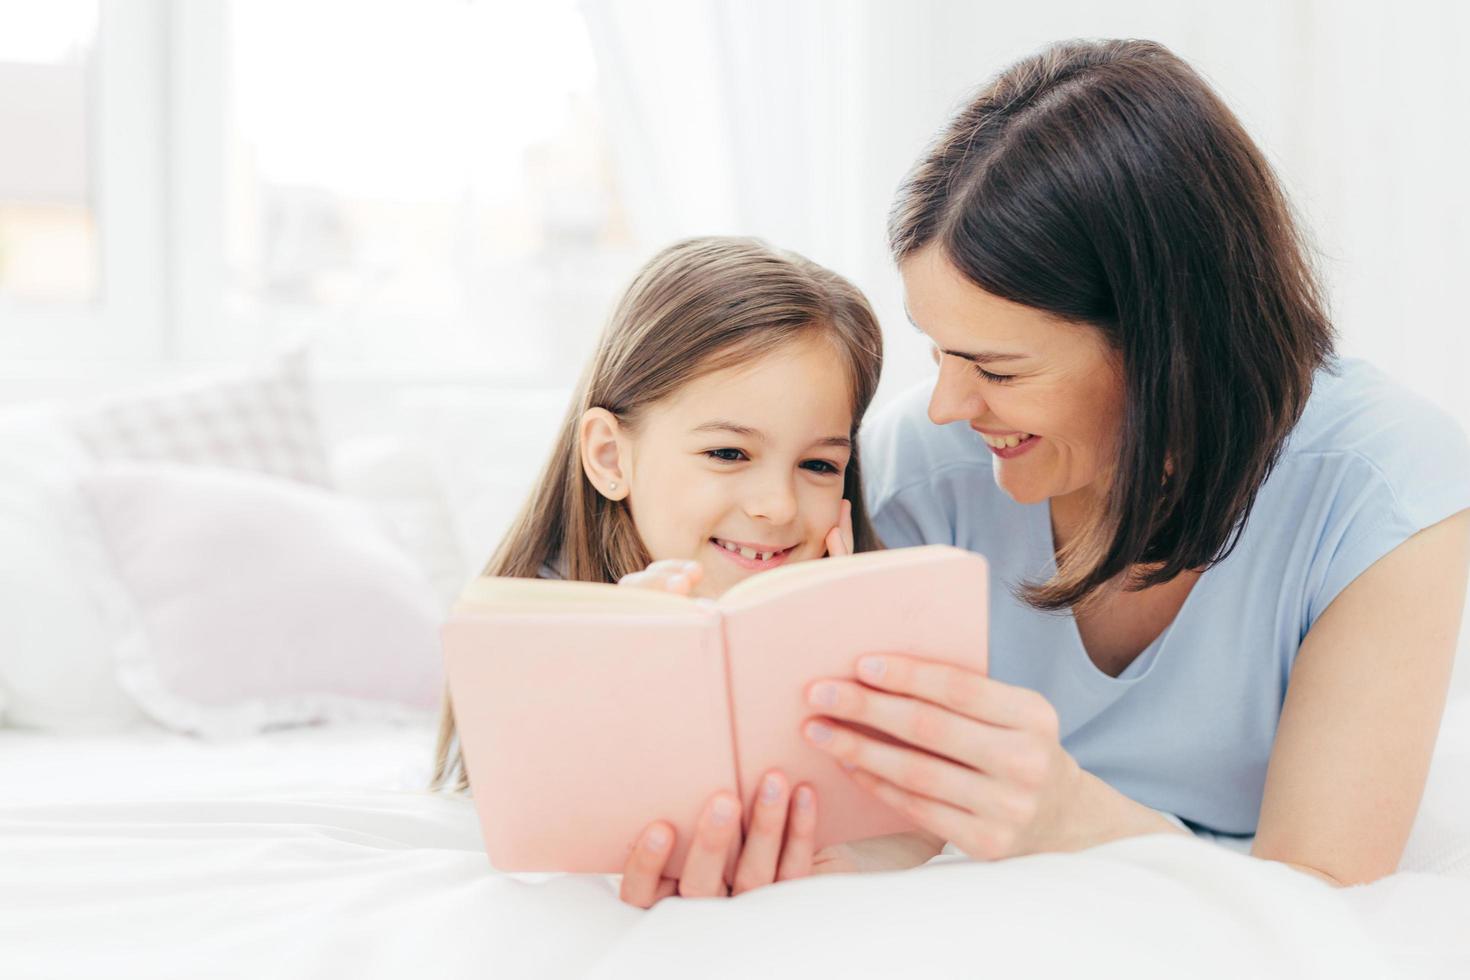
824,696
872,667
818,732
655,839
847,766
771,789
721,812
804,798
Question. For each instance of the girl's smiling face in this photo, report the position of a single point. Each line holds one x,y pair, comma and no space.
741,469
1014,372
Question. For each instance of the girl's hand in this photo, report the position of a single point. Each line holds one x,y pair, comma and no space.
675,575
992,776
782,827
839,539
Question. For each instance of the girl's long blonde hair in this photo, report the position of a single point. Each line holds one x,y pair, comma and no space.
697,307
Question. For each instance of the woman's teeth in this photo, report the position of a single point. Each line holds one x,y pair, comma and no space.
746,552
1005,442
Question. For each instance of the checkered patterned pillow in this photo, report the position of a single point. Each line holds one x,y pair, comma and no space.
262,421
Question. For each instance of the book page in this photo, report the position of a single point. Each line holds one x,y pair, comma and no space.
487,593
789,577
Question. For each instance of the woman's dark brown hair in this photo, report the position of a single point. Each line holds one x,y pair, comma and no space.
698,306
1105,183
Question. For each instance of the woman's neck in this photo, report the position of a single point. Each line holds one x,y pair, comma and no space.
1070,513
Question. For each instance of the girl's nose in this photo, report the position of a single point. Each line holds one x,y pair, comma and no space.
956,393
773,500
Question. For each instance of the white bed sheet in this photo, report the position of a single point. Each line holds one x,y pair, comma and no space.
313,853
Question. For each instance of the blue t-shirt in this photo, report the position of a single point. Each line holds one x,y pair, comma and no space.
1187,728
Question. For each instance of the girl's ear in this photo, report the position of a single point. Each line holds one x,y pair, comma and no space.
601,442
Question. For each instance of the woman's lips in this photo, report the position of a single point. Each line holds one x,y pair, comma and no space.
1024,446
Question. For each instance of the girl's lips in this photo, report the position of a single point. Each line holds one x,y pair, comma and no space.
1015,450
753,564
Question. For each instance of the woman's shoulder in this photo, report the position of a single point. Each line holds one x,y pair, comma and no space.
1359,416
1369,464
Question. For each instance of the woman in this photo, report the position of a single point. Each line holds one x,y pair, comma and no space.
1109,273
1228,566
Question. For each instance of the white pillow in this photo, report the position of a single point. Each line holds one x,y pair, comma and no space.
56,661
261,419
398,483
257,602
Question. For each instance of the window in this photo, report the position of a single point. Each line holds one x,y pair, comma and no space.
48,227
421,184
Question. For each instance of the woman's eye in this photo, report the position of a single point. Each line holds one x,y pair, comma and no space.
820,466
726,455
997,378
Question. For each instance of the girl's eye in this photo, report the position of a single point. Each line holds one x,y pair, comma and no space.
820,466
725,455
997,378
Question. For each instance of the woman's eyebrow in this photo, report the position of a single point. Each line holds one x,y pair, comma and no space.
986,356
720,425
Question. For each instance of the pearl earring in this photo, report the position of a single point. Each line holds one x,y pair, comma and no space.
612,488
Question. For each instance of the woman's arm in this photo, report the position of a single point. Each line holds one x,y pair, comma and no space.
1362,712
1346,773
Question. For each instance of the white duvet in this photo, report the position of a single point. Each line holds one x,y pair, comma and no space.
313,854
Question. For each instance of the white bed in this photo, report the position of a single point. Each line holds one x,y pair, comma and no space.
313,853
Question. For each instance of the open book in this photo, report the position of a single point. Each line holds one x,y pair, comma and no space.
586,711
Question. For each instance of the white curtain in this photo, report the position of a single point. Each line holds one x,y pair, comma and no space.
795,121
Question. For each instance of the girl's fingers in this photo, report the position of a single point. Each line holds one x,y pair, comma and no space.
643,871
839,539
675,575
763,843
801,832
703,873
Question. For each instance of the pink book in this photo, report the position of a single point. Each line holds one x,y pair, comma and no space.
586,711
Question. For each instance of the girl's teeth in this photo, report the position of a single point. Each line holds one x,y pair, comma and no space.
1005,442
746,552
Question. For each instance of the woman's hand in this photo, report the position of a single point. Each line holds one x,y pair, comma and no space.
892,852
676,575
839,539
983,766
782,827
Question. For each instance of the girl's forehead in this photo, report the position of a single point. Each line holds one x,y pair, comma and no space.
800,387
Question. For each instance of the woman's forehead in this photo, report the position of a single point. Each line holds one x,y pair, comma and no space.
962,318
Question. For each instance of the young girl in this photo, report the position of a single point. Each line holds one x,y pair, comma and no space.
712,437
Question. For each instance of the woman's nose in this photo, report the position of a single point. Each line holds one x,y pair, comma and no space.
956,393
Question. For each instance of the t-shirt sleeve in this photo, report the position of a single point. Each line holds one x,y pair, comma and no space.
911,517
1413,476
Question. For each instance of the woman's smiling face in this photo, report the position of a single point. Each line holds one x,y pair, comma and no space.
1012,372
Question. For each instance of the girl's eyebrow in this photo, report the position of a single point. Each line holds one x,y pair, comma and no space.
720,425
986,356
